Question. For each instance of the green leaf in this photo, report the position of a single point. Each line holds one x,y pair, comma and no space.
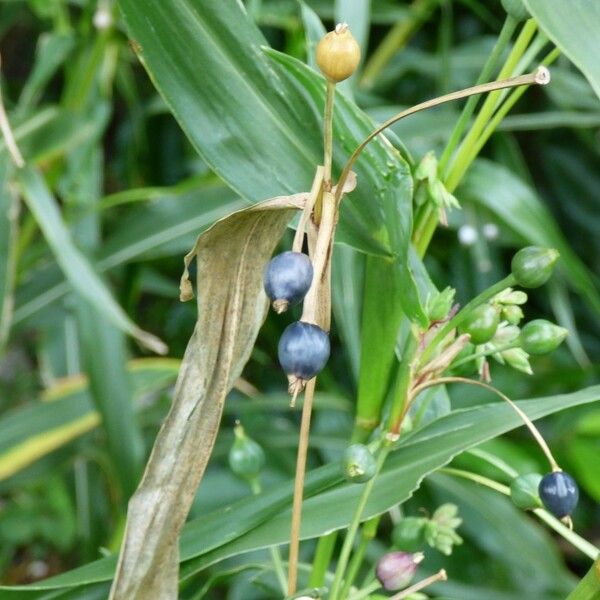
255,126
573,26
263,521
314,31
516,205
9,208
73,263
589,586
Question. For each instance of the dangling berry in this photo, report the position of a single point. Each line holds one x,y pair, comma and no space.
338,54
395,570
541,337
481,323
533,266
559,493
303,350
246,457
524,491
359,464
287,278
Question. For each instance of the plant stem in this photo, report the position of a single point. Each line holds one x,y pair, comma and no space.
351,533
529,79
460,316
325,548
367,533
532,428
328,134
9,138
372,587
400,403
420,585
273,550
576,540
506,32
299,487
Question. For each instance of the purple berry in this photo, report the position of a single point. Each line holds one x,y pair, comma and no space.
287,279
303,350
395,570
559,493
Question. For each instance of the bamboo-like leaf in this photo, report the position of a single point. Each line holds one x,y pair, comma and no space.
232,305
589,587
8,228
73,263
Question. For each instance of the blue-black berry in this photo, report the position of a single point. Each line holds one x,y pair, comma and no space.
287,278
303,350
559,493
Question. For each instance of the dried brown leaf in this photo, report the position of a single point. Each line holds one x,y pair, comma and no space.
232,306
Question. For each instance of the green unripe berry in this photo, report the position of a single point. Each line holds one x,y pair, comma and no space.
246,457
541,337
516,9
481,323
533,266
409,534
359,464
524,491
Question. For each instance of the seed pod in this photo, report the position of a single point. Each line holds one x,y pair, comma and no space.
338,54
524,491
541,337
481,323
246,457
408,535
287,279
395,570
359,464
559,493
303,350
532,266
516,9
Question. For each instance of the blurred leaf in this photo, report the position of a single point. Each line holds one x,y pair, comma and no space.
589,587
29,433
516,206
573,26
73,263
264,138
314,31
232,306
9,209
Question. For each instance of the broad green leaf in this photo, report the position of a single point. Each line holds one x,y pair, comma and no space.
263,521
231,257
75,266
258,129
517,206
573,26
589,587
66,413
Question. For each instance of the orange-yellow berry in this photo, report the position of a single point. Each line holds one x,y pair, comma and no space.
338,54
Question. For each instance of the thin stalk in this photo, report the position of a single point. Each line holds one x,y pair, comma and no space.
506,32
460,316
308,210
458,167
532,428
372,587
9,138
325,548
354,525
367,533
421,585
328,134
273,550
528,79
395,40
292,581
400,403
484,353
573,538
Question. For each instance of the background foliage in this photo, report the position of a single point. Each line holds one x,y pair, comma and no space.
93,253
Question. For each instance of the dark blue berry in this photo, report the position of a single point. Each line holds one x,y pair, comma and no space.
303,350
559,493
287,278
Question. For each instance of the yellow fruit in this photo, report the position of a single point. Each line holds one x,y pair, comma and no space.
338,54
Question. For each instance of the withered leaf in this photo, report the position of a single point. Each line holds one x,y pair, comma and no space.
232,306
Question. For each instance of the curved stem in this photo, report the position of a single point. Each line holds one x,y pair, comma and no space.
308,209
532,428
420,585
537,77
299,487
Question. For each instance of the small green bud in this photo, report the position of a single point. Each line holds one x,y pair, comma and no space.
439,304
246,457
409,535
427,168
516,9
513,314
359,464
541,336
505,334
510,296
518,359
481,323
524,491
533,266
